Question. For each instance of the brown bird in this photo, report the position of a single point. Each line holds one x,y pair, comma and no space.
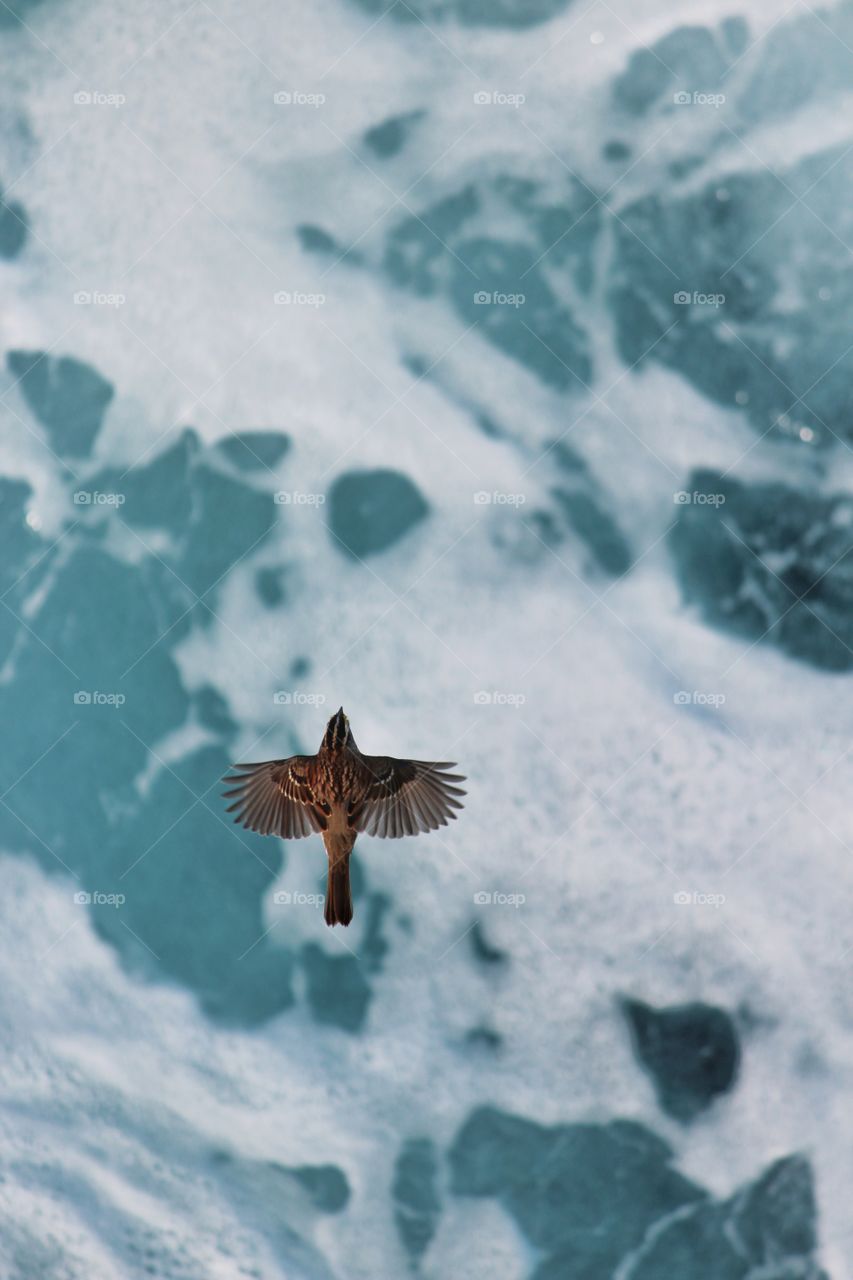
340,792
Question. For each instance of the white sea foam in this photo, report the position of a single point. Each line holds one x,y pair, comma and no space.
116,1090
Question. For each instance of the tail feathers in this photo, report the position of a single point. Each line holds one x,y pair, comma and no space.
338,895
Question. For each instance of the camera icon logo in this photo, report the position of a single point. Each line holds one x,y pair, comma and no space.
482,899
483,98
82,698
682,298
682,698
282,698
482,698
482,298
682,899
283,898
482,499
82,898
682,99
82,498
83,98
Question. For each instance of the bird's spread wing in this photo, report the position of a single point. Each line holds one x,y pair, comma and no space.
403,797
275,798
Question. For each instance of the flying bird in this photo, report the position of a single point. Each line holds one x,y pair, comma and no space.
339,793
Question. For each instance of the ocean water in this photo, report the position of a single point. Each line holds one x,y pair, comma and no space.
484,368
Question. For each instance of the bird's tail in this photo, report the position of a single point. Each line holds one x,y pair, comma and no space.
338,894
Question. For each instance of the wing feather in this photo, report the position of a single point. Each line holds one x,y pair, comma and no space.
273,797
404,797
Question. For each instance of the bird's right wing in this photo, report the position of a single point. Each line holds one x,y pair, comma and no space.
275,798
403,797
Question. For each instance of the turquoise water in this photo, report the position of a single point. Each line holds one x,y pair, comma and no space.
484,369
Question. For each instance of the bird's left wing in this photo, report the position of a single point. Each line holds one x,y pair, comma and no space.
404,797
275,798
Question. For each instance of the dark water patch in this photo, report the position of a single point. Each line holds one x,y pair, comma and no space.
747,293
777,1215
68,397
326,1184
192,888
598,1200
195,899
415,253
484,951
694,1245
15,13
157,494
767,1229
475,13
496,286
25,561
14,226
338,993
418,366
268,1196
254,450
489,427
584,1194
691,1052
215,519
484,1038
315,239
375,945
369,511
580,509
390,137
806,59
770,563
213,712
215,545
414,1191
616,151
589,519
515,289
94,688
270,585
684,61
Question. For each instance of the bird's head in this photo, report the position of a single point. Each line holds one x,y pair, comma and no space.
337,735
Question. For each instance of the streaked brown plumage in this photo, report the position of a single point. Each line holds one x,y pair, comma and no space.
338,793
